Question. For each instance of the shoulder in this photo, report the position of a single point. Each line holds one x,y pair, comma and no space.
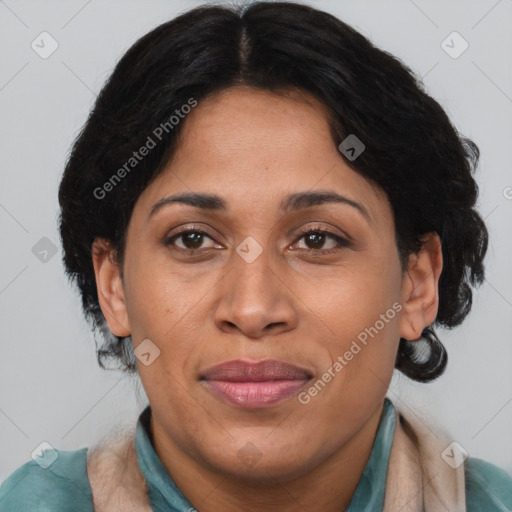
27,489
488,487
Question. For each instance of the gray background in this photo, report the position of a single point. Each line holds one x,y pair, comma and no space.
51,387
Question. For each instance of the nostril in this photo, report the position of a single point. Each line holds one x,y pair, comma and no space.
269,326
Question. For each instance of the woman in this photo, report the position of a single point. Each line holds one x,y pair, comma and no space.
266,215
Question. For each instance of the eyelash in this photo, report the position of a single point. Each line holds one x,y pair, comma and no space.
342,242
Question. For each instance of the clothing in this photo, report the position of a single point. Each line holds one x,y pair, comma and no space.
65,485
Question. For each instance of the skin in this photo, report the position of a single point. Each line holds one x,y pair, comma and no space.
253,148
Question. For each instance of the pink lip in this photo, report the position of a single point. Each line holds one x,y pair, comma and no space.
254,385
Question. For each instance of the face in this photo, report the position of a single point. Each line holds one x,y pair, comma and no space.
312,283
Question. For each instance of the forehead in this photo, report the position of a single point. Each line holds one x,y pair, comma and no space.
253,147
240,119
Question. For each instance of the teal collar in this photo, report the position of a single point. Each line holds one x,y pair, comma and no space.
164,495
371,489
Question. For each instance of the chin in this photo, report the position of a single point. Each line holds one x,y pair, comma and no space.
259,466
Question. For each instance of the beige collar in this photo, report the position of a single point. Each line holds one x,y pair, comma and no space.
418,478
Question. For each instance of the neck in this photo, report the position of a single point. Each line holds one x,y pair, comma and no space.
329,486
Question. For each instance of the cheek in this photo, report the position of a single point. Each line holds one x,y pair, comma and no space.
353,301
362,312
159,297
168,309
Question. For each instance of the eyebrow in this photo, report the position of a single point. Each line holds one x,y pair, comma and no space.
292,202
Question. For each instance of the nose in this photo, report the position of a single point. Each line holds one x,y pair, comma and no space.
255,299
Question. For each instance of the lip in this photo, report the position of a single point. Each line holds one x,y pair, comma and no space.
255,385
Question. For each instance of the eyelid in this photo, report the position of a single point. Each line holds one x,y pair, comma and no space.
342,242
328,231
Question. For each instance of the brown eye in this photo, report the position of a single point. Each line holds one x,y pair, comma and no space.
191,240
315,240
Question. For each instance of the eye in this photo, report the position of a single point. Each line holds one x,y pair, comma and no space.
315,239
191,239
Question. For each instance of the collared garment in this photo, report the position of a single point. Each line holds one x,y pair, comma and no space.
64,486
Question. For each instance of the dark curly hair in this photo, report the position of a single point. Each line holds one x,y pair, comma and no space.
413,152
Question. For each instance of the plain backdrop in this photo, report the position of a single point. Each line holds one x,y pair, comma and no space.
51,388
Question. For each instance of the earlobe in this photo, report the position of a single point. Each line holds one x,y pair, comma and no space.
110,288
420,290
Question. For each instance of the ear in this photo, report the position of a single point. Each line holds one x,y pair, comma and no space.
420,294
110,287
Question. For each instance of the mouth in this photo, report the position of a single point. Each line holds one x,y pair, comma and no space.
255,385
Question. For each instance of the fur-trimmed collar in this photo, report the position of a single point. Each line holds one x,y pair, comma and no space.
418,478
